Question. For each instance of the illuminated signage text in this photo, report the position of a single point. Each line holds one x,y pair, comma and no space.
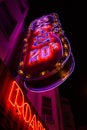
16,99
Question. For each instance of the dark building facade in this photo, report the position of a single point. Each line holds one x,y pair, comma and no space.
41,111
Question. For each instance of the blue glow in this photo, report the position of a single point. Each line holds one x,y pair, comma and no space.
45,52
35,44
46,33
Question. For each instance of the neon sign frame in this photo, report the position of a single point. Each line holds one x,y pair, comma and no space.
16,100
46,56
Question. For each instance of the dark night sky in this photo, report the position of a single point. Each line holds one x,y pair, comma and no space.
72,18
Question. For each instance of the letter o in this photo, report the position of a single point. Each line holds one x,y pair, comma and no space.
26,112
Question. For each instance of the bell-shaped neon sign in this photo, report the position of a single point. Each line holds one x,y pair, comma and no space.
47,60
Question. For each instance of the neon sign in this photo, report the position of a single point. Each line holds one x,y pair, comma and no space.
43,47
16,99
41,55
46,54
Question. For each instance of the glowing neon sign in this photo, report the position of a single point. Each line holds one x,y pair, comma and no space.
47,54
43,46
41,55
16,99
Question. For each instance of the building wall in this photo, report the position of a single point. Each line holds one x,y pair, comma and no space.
8,42
68,118
82,127
54,122
11,14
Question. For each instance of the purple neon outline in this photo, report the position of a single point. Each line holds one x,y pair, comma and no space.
57,83
69,51
32,28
